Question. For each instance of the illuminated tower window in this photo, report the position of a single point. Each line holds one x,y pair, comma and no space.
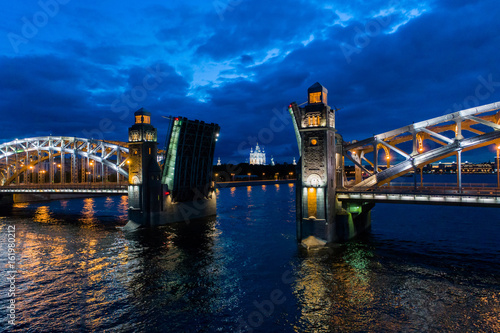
142,119
315,97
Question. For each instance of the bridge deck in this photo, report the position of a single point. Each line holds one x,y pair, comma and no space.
434,194
67,188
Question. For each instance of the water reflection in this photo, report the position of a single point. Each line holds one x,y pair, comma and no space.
123,208
44,215
180,266
88,213
21,205
206,275
334,289
109,203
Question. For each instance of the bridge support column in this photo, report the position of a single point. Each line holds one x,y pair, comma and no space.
6,202
320,217
459,171
62,169
74,168
144,191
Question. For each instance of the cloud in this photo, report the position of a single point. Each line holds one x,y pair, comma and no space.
407,61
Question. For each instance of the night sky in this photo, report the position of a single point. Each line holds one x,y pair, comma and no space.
81,68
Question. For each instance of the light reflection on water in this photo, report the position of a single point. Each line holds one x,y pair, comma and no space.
79,272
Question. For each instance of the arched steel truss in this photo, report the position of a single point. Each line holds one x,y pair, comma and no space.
432,129
19,158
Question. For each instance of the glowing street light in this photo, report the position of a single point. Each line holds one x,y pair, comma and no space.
498,170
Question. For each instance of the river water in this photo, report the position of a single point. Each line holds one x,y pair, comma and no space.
421,268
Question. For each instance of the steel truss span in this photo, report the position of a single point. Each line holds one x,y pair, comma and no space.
455,133
63,160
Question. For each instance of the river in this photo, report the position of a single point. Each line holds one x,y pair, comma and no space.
420,268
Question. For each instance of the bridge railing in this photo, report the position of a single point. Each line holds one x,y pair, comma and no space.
447,185
476,189
79,186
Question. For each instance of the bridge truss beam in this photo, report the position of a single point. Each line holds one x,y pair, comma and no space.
433,130
23,159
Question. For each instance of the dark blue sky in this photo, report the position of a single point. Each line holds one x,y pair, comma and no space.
80,68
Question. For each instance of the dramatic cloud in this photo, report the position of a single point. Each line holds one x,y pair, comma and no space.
82,69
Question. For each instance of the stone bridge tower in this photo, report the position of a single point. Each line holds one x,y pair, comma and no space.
321,171
315,124
145,190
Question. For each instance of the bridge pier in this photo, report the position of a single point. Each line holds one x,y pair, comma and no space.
183,190
321,218
6,201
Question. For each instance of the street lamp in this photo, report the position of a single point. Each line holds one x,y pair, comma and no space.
498,171
30,178
93,171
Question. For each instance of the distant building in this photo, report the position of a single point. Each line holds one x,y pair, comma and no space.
294,162
272,161
257,157
218,161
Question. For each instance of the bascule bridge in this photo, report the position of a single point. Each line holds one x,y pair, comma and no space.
175,187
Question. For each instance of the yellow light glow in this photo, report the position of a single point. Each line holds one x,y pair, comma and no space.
315,97
388,157
140,119
314,142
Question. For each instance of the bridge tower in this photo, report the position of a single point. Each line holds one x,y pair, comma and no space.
145,190
321,171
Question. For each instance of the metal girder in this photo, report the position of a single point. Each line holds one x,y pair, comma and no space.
428,130
358,164
484,122
397,150
437,135
459,115
425,158
13,153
